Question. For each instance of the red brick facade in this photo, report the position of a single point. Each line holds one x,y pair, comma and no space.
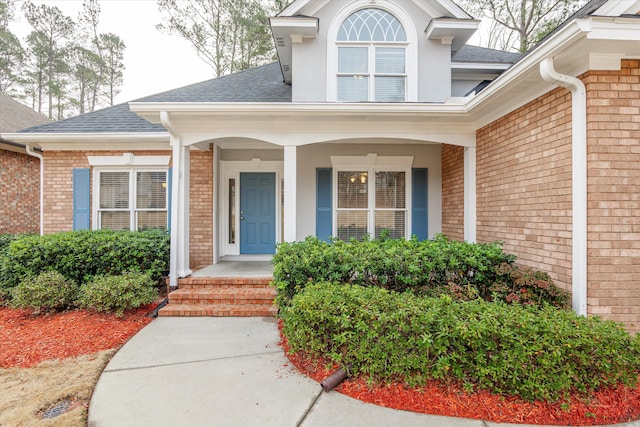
58,195
453,192
20,190
524,188
201,207
613,132
524,184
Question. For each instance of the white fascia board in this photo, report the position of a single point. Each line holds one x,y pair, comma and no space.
480,66
450,9
527,65
261,108
612,29
303,7
307,27
93,141
618,7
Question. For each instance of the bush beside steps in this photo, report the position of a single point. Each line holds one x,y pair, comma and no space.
534,352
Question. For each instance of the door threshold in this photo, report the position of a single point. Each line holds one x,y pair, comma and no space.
260,257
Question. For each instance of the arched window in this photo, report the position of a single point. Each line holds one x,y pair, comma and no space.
372,60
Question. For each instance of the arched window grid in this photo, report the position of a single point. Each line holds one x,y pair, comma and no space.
372,25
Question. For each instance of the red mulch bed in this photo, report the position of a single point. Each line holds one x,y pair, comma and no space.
28,339
605,407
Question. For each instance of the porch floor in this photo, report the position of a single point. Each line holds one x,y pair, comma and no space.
236,269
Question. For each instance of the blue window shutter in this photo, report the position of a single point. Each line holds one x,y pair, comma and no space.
420,204
81,199
324,204
169,182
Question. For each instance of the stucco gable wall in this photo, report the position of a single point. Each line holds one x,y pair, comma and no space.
20,189
613,132
524,184
310,57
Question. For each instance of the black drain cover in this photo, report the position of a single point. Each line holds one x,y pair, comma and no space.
59,409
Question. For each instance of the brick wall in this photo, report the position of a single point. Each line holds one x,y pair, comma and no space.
20,193
201,207
58,197
524,184
453,192
613,131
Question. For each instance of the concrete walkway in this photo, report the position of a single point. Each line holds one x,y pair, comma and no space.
209,371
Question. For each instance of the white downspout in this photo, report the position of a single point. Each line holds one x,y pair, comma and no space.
39,156
579,179
175,218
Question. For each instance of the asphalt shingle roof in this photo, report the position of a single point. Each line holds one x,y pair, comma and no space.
482,54
118,118
14,115
260,84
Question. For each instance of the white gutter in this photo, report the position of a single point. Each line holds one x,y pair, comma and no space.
39,156
579,179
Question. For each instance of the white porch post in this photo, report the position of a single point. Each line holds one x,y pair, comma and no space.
470,194
183,212
290,192
179,256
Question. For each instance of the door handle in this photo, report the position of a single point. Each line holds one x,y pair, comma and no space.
241,218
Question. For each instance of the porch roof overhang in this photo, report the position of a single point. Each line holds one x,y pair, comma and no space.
92,141
295,124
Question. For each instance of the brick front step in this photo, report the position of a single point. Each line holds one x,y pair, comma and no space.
222,297
224,282
219,310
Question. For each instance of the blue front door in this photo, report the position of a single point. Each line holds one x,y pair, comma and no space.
257,213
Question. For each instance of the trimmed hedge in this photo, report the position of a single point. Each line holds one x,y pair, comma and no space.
117,293
537,353
80,255
48,291
433,267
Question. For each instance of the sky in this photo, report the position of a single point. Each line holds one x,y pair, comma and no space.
154,61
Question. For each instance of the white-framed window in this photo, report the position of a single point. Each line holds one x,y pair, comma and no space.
372,196
371,54
131,199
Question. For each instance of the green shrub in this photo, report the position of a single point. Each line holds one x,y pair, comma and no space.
46,292
536,352
80,255
399,265
117,293
526,286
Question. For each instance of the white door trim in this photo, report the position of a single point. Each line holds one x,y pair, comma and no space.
231,170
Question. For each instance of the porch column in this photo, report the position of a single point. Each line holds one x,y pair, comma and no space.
179,256
290,192
470,194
